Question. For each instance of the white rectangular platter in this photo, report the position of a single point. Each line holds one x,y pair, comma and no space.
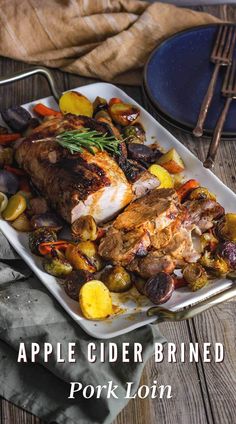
134,314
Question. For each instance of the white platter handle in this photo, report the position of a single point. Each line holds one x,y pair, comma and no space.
191,311
33,71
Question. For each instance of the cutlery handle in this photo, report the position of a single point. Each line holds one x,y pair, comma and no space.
209,162
166,315
29,72
198,130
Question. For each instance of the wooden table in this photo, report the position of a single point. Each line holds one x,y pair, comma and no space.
203,392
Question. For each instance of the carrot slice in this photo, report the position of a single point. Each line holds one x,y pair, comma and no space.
15,171
43,110
8,138
186,188
46,248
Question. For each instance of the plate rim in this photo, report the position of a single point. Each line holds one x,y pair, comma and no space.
184,126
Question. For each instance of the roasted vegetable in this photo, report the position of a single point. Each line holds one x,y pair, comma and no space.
9,183
117,279
17,118
6,156
84,228
6,139
226,228
139,284
215,265
84,256
195,275
114,100
99,104
227,251
22,223
47,219
163,176
185,189
201,193
140,152
47,248
134,134
43,110
159,288
15,207
208,242
3,202
179,282
75,281
38,206
123,113
95,300
57,266
39,236
171,161
76,103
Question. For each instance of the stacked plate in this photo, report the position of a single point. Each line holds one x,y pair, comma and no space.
176,78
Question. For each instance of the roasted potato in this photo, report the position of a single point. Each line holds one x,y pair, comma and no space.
166,181
95,300
159,289
15,207
84,229
171,161
124,113
227,251
3,202
117,279
84,256
76,103
201,193
22,223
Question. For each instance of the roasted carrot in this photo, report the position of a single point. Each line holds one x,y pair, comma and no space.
8,138
43,110
114,100
46,248
16,171
186,188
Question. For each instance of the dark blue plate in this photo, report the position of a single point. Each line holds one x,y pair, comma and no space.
176,78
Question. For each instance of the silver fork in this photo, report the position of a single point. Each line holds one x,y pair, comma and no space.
228,91
221,55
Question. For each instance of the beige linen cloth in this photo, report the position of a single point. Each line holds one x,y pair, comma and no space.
105,39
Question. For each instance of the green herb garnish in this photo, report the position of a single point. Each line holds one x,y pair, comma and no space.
77,140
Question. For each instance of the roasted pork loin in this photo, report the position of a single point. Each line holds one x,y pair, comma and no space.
77,184
154,233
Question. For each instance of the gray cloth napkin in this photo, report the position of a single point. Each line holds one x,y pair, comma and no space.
28,313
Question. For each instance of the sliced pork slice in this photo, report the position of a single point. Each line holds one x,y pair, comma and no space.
201,214
152,264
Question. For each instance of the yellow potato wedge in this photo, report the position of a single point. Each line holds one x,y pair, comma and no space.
3,202
166,180
22,223
15,207
171,161
76,103
124,113
95,300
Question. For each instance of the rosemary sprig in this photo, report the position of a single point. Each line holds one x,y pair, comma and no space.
77,140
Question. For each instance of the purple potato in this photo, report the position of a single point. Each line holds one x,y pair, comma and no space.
47,219
227,251
9,183
159,288
17,118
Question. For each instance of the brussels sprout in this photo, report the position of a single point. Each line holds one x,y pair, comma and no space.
208,242
226,228
201,193
227,251
57,266
134,133
196,276
84,229
6,156
139,284
41,235
99,104
215,265
117,279
75,281
159,289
